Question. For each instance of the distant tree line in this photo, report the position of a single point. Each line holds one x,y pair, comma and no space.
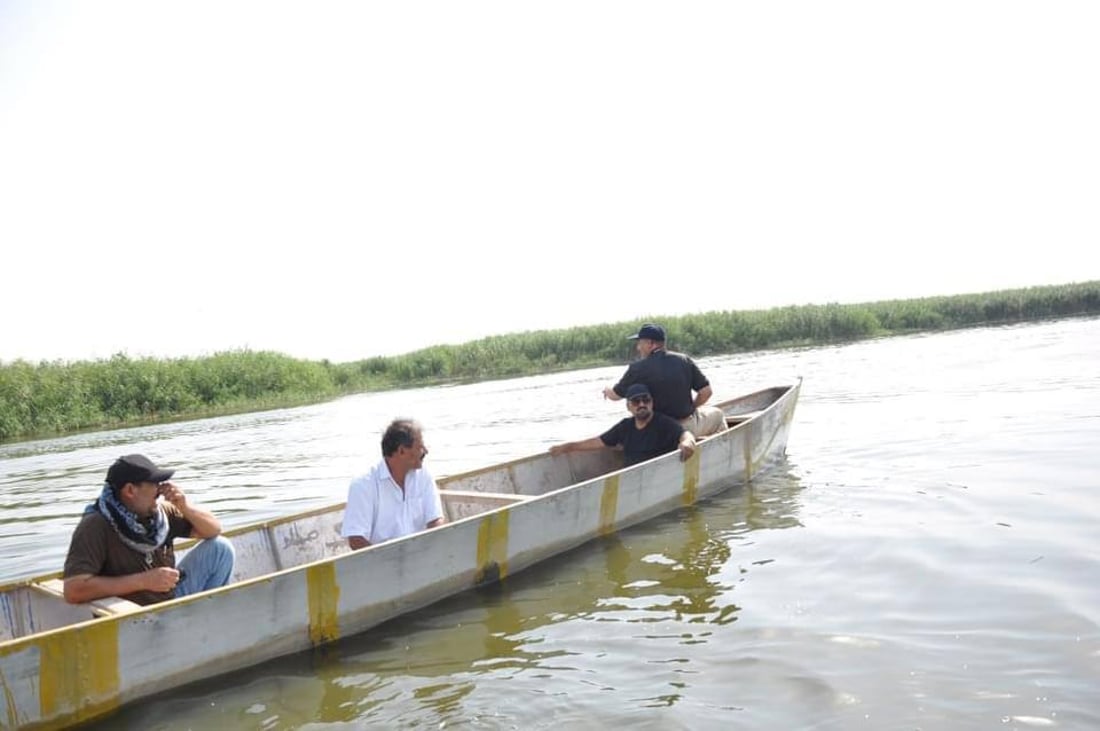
50,398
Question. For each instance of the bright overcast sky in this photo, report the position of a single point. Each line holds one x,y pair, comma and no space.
351,179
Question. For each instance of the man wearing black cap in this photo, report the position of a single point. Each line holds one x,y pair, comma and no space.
672,377
642,436
123,543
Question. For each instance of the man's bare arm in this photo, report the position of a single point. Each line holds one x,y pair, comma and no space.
88,587
686,445
203,523
583,445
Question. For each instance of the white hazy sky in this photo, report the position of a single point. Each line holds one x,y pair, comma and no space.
347,179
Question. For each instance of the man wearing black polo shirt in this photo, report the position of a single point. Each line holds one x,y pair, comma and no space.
672,378
642,436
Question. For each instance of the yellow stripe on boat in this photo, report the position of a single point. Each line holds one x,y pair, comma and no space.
691,478
324,596
609,504
79,670
749,471
492,547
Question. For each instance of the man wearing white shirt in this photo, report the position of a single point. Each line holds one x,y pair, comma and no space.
398,496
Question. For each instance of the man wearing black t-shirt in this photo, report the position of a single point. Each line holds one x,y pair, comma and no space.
642,436
679,388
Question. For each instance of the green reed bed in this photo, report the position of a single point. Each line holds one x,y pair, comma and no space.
56,397
49,398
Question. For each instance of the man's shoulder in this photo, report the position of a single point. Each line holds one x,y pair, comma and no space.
377,472
621,425
91,537
92,521
659,358
678,355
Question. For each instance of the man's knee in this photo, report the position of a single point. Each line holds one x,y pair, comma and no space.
225,554
708,420
218,557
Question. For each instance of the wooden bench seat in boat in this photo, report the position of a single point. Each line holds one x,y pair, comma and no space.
100,607
735,419
486,498
458,504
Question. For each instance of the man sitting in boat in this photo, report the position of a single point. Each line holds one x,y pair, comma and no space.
643,435
123,543
672,377
398,496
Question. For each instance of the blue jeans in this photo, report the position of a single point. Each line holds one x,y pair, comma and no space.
206,566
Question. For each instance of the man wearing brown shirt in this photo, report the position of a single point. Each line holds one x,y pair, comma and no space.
123,543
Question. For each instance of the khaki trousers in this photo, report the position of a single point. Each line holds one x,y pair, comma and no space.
706,420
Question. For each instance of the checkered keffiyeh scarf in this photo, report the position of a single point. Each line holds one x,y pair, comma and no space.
142,535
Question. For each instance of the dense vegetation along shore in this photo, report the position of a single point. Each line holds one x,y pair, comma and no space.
51,398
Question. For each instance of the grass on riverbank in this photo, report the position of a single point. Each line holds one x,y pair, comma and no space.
51,398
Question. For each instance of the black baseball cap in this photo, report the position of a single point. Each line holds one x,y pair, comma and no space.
636,390
136,468
649,331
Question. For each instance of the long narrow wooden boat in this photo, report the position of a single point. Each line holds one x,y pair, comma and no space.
296,585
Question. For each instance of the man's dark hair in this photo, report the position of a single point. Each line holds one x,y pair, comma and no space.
400,433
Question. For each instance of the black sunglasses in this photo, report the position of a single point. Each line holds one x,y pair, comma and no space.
640,400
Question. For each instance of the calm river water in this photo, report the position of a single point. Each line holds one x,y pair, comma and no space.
928,555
